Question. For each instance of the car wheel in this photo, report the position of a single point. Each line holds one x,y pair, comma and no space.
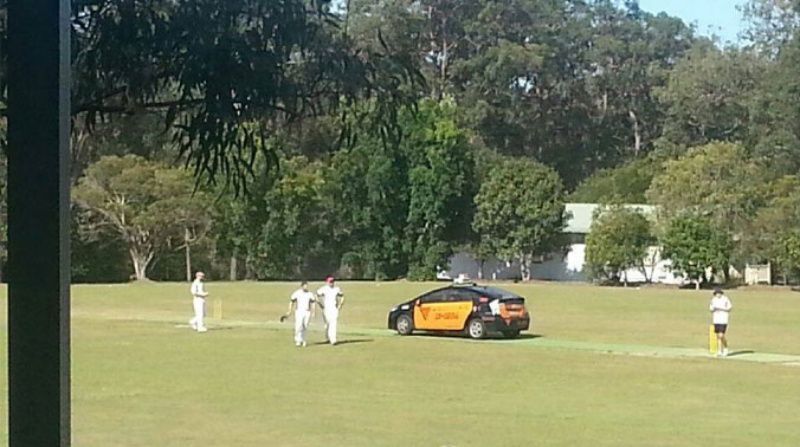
404,324
511,334
476,329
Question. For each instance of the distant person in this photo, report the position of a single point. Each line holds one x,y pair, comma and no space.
720,308
331,301
199,295
302,303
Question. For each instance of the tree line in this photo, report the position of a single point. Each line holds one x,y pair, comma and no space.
375,138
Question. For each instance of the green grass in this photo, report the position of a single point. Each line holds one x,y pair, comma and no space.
141,378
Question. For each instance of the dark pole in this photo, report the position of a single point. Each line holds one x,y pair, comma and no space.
38,223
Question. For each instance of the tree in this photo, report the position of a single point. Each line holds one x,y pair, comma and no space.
624,184
775,128
708,95
617,241
236,225
296,238
147,205
441,186
557,81
520,211
631,55
400,210
98,254
367,186
716,181
211,66
775,232
187,211
773,23
694,246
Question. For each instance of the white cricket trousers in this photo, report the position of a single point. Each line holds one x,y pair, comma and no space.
301,319
331,321
199,305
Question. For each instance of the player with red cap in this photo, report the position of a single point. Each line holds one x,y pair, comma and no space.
331,300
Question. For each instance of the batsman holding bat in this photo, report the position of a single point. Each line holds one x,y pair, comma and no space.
720,308
302,303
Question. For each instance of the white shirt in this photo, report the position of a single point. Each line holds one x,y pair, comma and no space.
199,289
720,307
303,299
329,295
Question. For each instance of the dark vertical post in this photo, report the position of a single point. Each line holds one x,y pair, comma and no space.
38,223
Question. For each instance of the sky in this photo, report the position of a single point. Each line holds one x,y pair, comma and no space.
718,17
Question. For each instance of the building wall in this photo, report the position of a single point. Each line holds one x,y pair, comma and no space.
557,267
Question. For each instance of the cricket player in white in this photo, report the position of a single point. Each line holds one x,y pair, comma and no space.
302,302
199,295
720,308
331,300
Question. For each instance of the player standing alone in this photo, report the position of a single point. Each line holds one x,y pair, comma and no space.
199,295
720,308
331,301
302,302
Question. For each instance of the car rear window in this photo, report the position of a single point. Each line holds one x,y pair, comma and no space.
504,295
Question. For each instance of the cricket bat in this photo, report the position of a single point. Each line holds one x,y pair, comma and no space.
712,340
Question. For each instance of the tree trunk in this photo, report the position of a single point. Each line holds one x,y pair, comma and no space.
234,265
524,267
248,267
625,278
481,262
445,59
697,284
188,251
140,263
637,135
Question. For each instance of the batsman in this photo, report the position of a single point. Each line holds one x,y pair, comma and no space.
720,308
302,303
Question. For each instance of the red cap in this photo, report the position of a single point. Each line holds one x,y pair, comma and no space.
329,279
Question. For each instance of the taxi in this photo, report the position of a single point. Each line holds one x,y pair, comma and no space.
472,309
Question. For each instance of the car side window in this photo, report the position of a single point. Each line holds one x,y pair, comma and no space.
433,297
462,295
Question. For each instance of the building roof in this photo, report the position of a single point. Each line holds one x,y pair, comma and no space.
579,215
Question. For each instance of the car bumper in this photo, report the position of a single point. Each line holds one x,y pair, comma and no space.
497,324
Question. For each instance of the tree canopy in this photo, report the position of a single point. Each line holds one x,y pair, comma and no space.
520,211
370,136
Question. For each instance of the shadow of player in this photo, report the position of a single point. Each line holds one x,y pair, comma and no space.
735,353
346,342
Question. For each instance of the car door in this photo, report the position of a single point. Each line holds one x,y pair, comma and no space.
444,310
423,308
463,304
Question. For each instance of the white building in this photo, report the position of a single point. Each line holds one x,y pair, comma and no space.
567,266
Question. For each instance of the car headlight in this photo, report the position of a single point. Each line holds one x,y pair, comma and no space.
393,309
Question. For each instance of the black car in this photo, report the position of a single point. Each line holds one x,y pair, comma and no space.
472,309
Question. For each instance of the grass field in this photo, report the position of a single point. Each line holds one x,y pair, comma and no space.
611,367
